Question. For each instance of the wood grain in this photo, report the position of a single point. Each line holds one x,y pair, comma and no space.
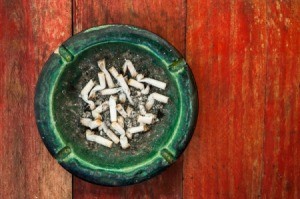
226,48
30,31
245,56
282,137
167,19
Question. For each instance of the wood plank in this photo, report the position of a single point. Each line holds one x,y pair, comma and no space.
30,31
167,19
226,49
282,140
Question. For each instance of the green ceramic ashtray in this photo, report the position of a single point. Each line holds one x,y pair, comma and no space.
58,107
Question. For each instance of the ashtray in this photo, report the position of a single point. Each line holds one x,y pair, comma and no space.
58,107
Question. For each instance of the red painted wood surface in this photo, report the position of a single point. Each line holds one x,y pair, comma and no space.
282,116
245,56
29,31
167,19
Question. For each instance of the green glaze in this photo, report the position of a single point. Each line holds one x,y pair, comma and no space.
57,107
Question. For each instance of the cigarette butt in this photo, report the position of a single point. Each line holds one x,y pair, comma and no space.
118,128
99,87
113,72
120,120
95,124
102,66
124,142
90,136
112,136
135,84
122,98
146,90
155,96
85,92
128,135
142,109
154,82
137,129
139,77
121,110
160,97
145,119
110,91
129,111
125,87
131,68
112,109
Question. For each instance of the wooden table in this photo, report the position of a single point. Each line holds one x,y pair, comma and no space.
245,56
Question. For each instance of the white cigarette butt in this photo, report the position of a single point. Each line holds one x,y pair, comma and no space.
95,124
100,109
131,68
85,92
125,87
114,72
118,128
112,109
146,90
160,97
124,142
122,98
101,86
145,119
85,121
120,120
102,66
137,129
129,111
154,82
90,136
139,77
92,124
121,110
110,91
155,96
142,109
135,84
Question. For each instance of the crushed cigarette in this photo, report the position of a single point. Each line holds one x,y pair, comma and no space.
158,97
122,98
121,110
112,109
154,82
90,136
125,87
110,91
85,92
142,109
146,90
96,113
118,128
102,66
129,111
124,142
139,77
120,121
99,87
114,123
109,133
147,119
113,72
135,84
128,64
92,124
